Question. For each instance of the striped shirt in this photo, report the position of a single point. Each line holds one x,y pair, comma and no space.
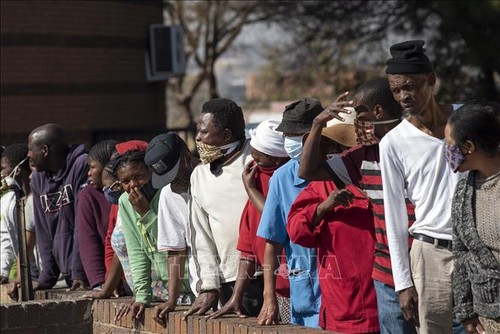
361,166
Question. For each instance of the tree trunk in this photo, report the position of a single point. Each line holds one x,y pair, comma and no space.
212,83
488,83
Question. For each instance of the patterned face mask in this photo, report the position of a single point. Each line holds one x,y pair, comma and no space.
365,133
210,153
454,156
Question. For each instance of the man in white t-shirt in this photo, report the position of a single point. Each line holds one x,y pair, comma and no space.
218,198
413,162
172,164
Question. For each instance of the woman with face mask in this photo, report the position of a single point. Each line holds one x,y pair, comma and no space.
473,144
15,183
93,214
115,255
138,209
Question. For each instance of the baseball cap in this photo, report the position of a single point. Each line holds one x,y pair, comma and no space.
162,156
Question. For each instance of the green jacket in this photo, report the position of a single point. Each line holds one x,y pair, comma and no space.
140,237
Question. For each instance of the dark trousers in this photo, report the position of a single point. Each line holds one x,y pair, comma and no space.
252,298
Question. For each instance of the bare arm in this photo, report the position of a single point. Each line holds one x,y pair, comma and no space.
255,196
176,262
176,267
311,164
269,312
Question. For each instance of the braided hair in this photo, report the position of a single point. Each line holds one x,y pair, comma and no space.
117,161
102,151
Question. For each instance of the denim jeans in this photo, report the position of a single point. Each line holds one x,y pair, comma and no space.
458,328
390,317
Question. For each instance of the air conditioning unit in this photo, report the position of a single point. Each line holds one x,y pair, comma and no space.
165,57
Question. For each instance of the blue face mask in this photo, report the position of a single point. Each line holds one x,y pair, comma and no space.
148,190
112,196
293,147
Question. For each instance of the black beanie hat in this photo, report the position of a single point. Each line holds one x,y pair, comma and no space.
408,57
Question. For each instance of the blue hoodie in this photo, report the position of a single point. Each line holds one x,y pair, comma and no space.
54,201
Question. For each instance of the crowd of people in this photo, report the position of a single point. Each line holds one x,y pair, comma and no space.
378,213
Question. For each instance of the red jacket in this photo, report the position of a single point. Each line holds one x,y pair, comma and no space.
249,244
108,250
345,243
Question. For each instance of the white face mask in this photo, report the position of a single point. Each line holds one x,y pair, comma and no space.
293,147
9,179
12,174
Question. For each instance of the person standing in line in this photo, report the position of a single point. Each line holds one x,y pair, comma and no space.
413,163
218,197
93,214
473,144
116,256
15,184
61,174
376,114
172,164
138,210
268,153
284,187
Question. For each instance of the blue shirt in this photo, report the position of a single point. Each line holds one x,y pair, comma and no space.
284,187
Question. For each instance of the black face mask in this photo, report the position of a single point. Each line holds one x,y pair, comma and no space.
148,191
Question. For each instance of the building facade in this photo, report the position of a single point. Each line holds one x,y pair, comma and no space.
80,64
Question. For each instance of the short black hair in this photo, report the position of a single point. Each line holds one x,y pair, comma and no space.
227,115
479,122
377,91
16,153
102,151
52,135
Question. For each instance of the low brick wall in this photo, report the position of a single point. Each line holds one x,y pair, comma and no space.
59,311
49,316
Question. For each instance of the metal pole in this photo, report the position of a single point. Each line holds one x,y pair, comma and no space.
26,284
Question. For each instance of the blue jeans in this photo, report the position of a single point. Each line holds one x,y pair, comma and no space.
310,320
390,317
458,328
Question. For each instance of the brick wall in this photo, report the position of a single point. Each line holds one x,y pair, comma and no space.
79,64
49,316
66,312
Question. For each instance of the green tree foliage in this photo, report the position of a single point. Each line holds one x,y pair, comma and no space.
462,39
